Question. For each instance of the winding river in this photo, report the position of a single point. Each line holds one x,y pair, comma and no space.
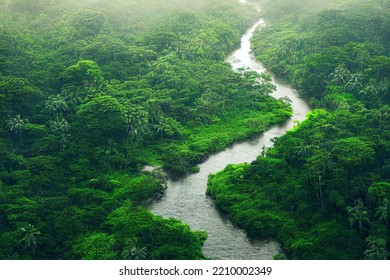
185,198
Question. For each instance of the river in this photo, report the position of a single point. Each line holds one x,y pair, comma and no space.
185,198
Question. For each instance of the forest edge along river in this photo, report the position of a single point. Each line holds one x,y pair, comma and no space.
186,198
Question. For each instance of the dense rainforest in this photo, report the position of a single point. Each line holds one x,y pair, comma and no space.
90,93
323,190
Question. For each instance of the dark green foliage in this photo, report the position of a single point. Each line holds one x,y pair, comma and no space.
92,91
102,117
19,97
323,189
160,237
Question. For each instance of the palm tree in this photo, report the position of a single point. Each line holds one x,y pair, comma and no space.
164,128
137,123
383,115
64,140
71,95
318,167
304,150
134,252
376,248
369,91
138,253
340,76
50,105
64,126
61,128
353,83
16,125
56,104
383,211
384,86
358,215
29,236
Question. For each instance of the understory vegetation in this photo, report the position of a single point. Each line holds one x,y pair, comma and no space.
323,190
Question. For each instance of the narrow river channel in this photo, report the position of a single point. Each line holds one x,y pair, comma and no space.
185,198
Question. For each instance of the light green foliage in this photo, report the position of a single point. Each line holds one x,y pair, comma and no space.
95,246
85,73
89,23
136,189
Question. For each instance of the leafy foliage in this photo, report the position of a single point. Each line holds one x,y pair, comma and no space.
90,92
323,189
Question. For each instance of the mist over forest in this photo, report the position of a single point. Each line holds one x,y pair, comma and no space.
91,92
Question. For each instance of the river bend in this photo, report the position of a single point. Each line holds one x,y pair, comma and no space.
185,198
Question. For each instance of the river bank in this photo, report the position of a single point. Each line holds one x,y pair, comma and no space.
185,198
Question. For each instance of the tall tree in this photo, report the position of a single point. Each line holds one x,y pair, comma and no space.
29,236
102,118
383,211
16,126
358,215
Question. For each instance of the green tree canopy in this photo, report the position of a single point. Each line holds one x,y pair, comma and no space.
102,118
